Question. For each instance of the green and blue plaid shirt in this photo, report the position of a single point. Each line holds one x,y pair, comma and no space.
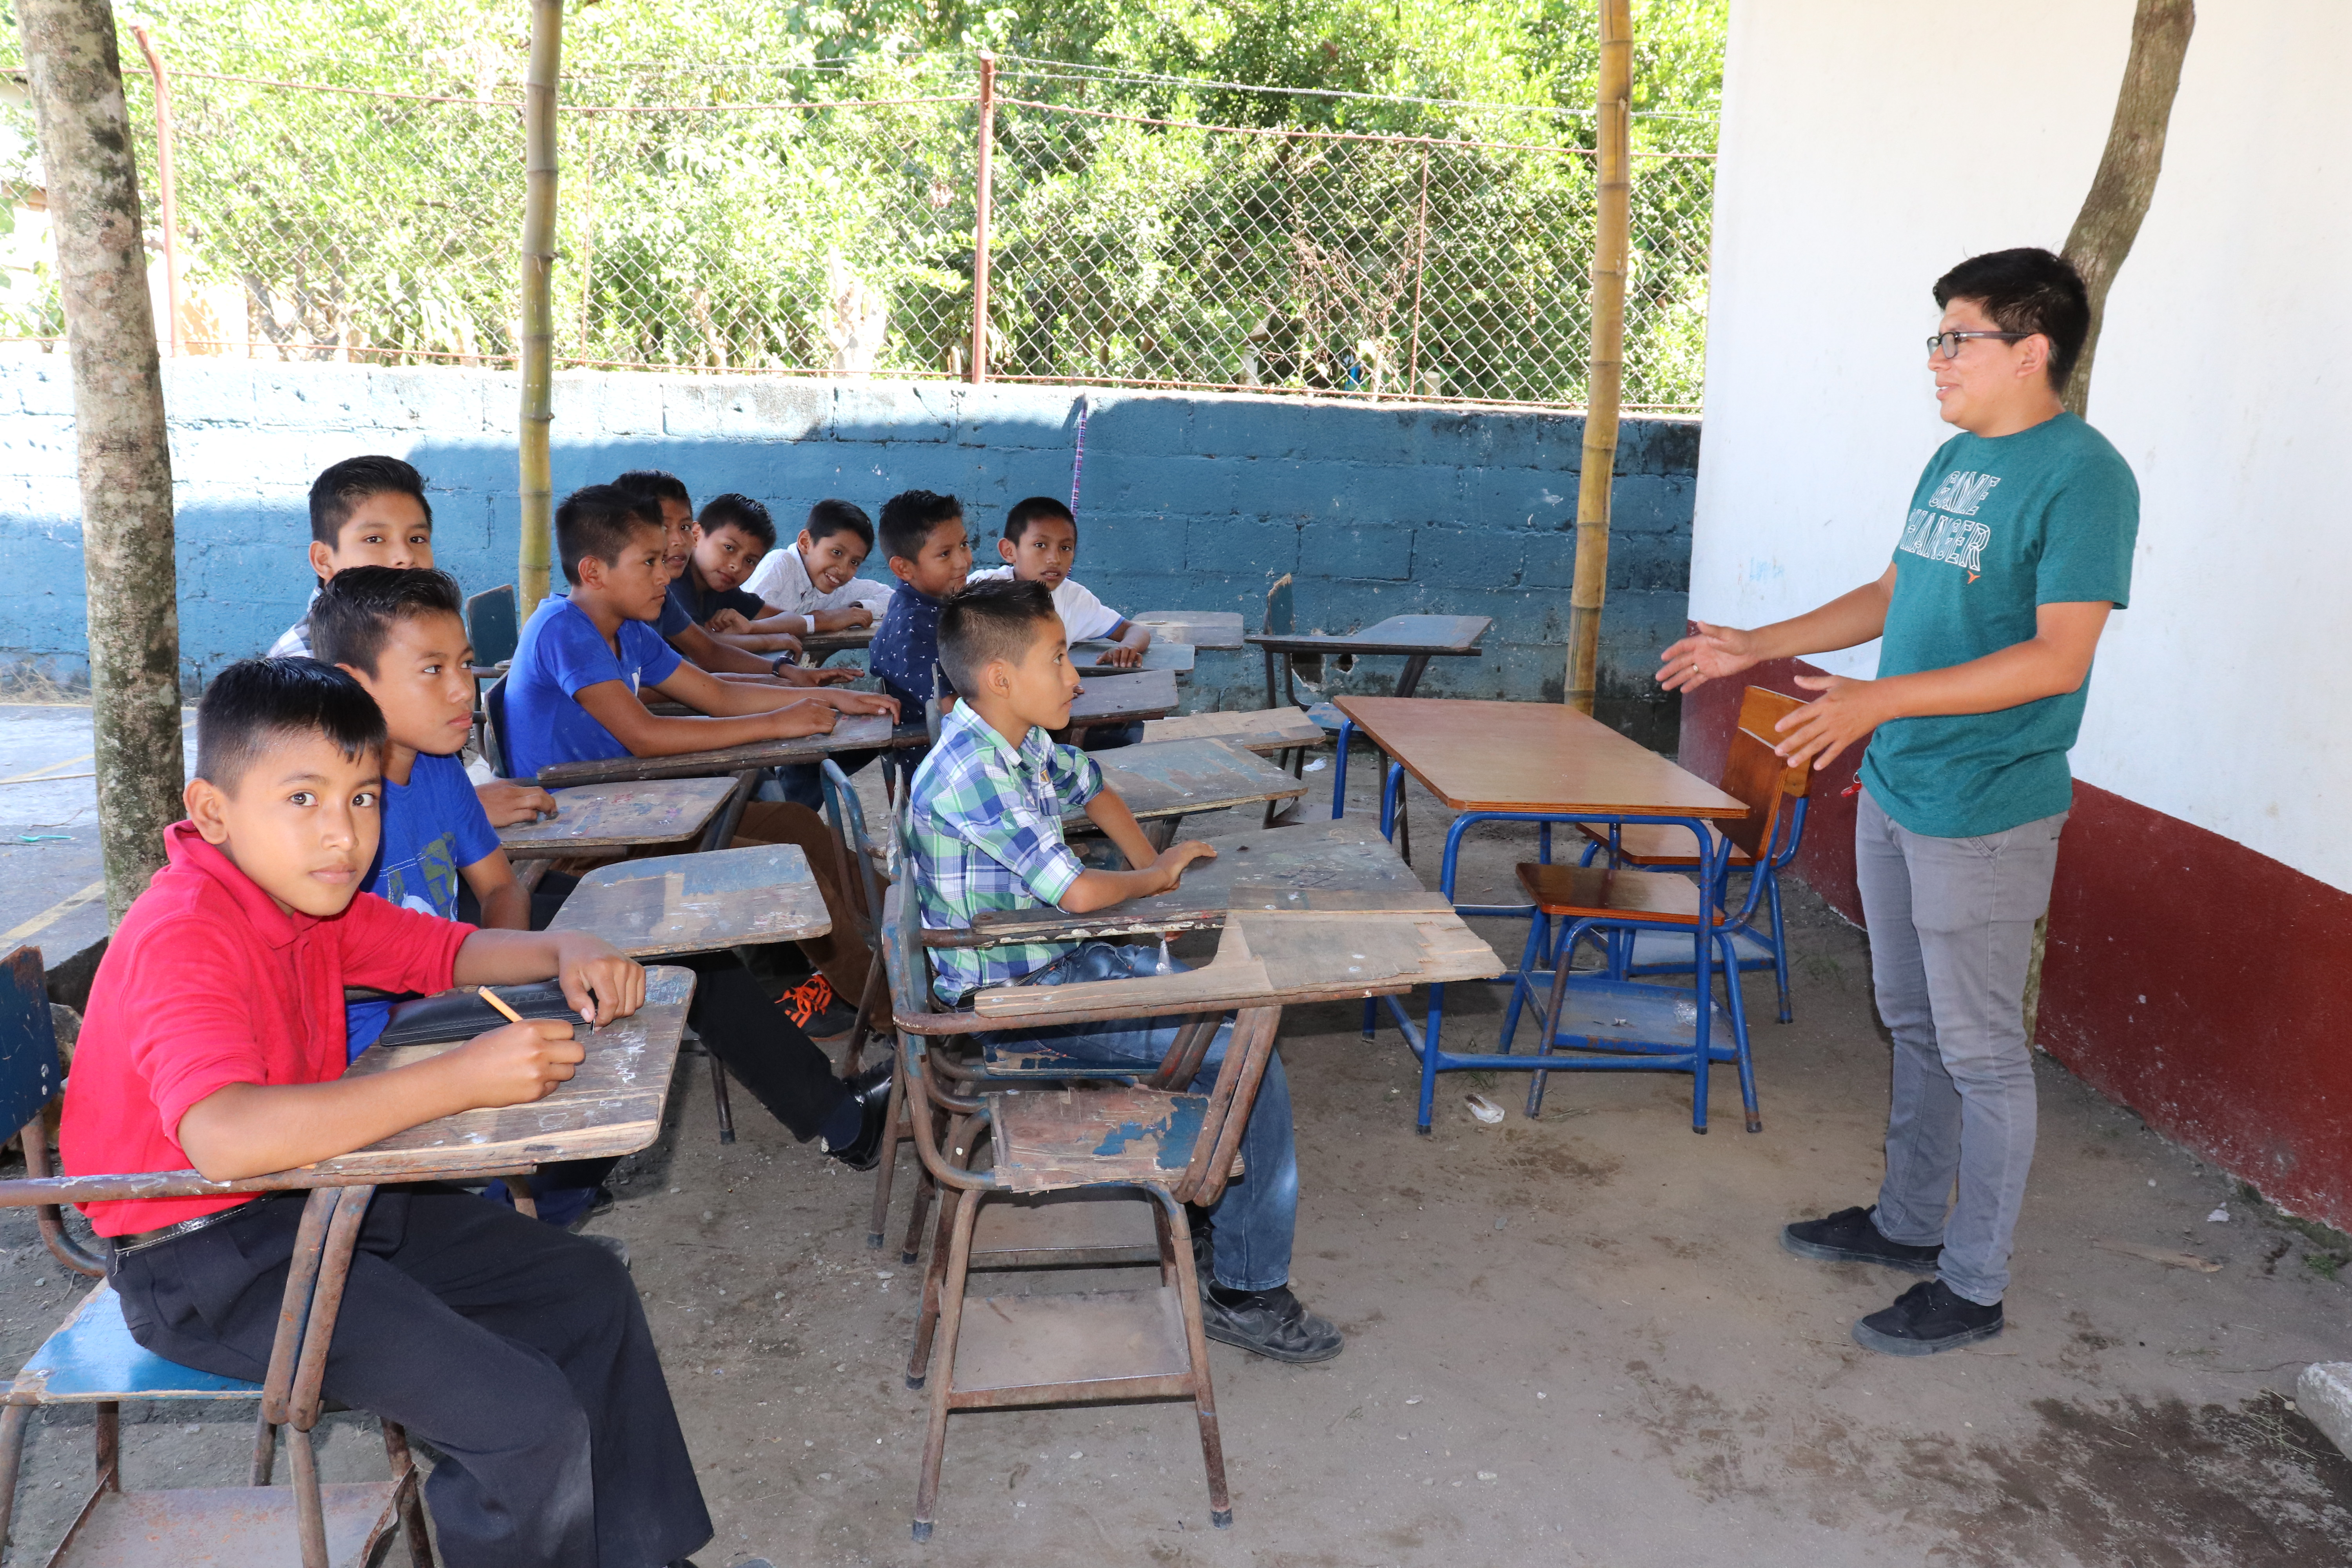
986,824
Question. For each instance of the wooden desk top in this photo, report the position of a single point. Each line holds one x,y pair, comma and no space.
1269,957
863,732
1087,657
817,644
1319,858
619,816
1450,636
700,904
1196,629
1169,778
612,1106
1479,756
1269,730
1138,694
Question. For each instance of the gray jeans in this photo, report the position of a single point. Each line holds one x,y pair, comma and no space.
1951,931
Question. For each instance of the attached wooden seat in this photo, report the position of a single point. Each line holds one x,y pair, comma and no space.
1753,772
1664,844
1588,892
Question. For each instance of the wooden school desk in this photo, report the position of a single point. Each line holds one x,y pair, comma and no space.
1115,699
818,647
1418,639
1315,858
863,732
1274,730
1168,780
1194,628
1525,762
611,1105
1088,658
618,816
675,904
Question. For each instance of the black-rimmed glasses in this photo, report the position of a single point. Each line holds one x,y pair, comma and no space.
1951,341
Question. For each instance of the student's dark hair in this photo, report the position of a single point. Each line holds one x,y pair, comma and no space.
655,485
2028,290
597,520
255,702
353,618
830,517
1024,513
338,490
996,618
908,519
734,510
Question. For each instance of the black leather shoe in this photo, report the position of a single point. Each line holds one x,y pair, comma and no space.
1851,1236
1271,1324
871,1090
1927,1318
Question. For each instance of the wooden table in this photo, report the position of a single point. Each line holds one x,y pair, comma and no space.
862,733
675,904
1114,698
818,647
1273,730
1524,762
618,816
1268,864
1195,628
1418,639
1088,658
1170,779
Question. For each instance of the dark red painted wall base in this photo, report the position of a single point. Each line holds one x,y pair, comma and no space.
2205,985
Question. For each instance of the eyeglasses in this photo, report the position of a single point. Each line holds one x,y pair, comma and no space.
1951,341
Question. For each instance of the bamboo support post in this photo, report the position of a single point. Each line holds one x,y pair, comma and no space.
537,483
166,193
981,190
1613,190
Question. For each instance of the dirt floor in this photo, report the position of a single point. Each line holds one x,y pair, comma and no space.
1573,1341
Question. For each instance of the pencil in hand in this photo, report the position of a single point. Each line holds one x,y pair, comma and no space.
495,1000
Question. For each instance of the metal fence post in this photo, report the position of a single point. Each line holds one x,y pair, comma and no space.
174,293
1420,261
980,220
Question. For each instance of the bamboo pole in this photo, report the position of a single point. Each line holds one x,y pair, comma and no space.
124,458
166,192
537,482
981,194
1614,193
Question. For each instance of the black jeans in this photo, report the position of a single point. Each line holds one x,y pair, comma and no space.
521,1353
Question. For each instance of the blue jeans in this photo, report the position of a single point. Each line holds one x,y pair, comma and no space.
1253,1222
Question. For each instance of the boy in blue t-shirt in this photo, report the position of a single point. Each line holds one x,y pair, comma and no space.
574,692
2016,546
400,635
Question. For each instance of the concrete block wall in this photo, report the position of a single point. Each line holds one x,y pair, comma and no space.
1195,502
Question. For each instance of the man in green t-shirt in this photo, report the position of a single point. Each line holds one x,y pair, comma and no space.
2017,545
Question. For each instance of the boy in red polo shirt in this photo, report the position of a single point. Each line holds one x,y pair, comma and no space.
215,1039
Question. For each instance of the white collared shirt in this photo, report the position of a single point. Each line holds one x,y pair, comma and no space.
1085,619
781,582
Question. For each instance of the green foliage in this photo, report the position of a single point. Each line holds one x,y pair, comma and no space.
742,155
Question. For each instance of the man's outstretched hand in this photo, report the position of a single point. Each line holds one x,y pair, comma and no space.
1712,653
1846,711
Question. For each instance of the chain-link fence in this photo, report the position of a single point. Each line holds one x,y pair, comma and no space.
743,219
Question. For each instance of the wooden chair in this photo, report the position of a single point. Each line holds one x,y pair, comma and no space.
1025,1350
492,625
1775,794
1635,1025
92,1361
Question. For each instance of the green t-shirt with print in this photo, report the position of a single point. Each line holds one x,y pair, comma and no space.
1998,526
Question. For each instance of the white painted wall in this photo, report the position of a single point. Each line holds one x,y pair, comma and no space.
1869,144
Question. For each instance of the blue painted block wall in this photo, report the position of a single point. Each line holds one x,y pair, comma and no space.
1188,501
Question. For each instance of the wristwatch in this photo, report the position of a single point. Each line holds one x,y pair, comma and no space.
776,666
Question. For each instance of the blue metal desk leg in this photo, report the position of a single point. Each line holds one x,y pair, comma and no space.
1339,771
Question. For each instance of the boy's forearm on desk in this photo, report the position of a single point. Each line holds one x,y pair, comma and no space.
1112,814
251,1130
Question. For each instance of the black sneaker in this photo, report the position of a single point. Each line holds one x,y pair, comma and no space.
871,1090
1851,1236
1929,1317
1271,1324
817,1008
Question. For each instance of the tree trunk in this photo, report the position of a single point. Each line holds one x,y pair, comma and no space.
2103,235
125,457
537,483
1613,192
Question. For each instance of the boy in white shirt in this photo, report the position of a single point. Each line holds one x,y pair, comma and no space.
813,586
1041,539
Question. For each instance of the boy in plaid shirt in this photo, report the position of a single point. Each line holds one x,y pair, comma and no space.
984,815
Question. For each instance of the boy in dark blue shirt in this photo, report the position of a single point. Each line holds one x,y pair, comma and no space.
923,539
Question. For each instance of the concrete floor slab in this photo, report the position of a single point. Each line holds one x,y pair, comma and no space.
1573,1341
